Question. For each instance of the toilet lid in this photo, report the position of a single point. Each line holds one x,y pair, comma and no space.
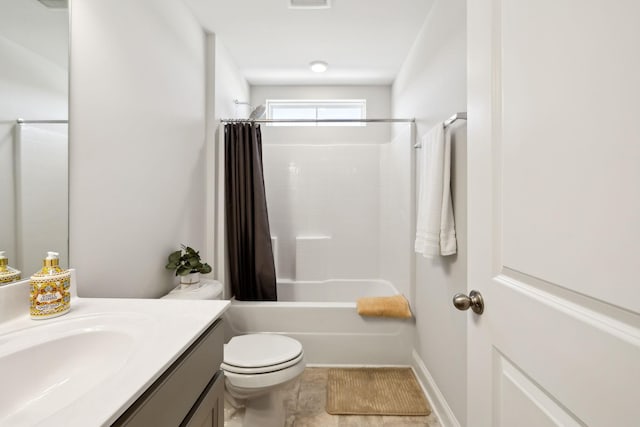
260,351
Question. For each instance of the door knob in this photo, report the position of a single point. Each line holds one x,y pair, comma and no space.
474,300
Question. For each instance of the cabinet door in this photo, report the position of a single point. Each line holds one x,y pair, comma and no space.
209,409
171,398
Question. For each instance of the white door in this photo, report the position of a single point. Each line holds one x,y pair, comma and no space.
554,212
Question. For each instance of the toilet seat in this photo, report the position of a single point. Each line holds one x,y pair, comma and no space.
263,369
260,353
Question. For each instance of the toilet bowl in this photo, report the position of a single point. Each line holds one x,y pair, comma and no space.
256,366
256,369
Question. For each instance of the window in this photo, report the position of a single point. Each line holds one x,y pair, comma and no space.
317,109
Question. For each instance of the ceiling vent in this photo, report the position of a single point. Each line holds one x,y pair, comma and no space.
309,4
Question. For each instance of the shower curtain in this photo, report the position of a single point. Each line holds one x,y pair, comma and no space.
251,266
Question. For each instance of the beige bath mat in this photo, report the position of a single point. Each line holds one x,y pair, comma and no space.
375,391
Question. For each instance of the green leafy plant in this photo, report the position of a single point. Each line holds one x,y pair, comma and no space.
186,261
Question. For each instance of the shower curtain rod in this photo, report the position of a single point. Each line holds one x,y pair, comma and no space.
21,121
318,121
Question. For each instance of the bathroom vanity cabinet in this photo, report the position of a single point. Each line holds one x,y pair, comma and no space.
190,393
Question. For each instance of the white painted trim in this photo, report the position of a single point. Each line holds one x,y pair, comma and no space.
357,365
210,184
439,404
221,230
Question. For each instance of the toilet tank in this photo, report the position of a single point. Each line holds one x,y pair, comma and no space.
207,289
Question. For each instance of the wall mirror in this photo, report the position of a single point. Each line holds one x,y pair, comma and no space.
34,52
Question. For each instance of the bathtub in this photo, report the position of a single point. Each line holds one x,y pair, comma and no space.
322,316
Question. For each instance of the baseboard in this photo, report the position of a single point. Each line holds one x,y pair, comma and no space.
438,403
357,365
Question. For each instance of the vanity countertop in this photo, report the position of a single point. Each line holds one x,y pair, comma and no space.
87,367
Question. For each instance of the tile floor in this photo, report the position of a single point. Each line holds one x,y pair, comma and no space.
305,401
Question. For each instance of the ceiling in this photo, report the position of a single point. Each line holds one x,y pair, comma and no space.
364,41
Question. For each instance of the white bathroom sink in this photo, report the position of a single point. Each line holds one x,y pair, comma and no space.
49,365
87,367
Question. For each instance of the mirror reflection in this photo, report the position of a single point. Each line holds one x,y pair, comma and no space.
34,40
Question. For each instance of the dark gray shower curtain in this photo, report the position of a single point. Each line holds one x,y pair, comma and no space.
252,271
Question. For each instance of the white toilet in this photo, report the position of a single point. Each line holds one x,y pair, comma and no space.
256,366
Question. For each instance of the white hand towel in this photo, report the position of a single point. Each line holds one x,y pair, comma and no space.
435,228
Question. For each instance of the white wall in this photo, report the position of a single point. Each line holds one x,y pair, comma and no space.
137,142
432,86
325,182
228,85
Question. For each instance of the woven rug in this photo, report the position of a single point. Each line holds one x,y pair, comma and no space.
375,391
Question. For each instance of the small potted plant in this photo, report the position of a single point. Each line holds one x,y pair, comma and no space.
188,265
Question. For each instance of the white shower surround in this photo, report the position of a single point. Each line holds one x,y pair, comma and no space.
325,190
323,318
334,182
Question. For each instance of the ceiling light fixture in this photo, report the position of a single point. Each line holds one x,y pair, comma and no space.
319,66
309,4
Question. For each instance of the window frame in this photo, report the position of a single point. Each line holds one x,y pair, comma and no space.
317,104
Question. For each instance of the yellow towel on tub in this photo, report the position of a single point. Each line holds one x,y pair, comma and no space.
395,306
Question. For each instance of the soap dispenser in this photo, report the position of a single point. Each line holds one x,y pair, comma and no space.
50,296
7,274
